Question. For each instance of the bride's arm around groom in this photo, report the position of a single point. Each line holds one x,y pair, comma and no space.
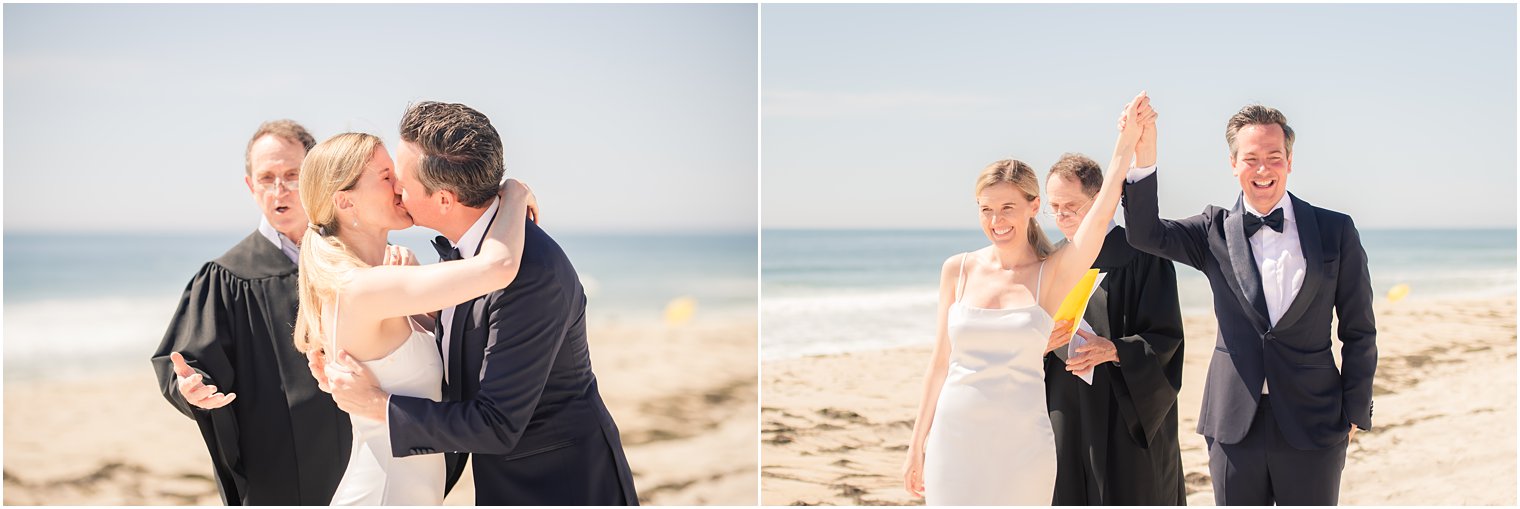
519,391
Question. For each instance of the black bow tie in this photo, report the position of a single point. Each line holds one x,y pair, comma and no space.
446,250
1274,221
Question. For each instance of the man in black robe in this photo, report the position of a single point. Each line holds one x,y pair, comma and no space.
1116,438
229,361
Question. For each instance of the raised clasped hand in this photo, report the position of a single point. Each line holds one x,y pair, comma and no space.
1132,122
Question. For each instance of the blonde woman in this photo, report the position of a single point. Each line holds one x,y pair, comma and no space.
364,297
983,435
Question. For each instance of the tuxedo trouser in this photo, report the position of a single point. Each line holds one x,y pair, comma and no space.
1263,469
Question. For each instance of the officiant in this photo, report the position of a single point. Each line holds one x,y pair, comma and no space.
228,359
1116,435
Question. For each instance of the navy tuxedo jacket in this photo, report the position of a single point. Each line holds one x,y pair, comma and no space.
1314,402
521,395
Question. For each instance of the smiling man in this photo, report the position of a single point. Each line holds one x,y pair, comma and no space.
229,361
1277,413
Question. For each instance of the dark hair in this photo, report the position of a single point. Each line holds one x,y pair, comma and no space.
1081,169
1257,114
461,152
283,128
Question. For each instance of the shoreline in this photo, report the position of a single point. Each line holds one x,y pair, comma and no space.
1205,313
130,344
835,427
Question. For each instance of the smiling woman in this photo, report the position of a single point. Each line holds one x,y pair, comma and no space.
1008,194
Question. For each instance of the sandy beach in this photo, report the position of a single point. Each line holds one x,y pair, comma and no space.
835,428
110,439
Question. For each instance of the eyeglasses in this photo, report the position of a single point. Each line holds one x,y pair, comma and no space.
292,185
1069,212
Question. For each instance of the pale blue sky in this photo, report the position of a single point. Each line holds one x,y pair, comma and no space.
623,118
880,116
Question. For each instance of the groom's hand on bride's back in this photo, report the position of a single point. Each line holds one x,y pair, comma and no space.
193,388
355,390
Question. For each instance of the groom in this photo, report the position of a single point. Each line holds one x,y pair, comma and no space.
518,390
1277,415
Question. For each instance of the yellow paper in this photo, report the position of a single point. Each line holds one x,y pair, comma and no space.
1076,301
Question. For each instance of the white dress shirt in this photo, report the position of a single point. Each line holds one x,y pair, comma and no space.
1280,261
287,246
1279,257
468,244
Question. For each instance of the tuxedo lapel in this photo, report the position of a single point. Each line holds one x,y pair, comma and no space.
456,351
462,313
1314,259
438,338
1242,266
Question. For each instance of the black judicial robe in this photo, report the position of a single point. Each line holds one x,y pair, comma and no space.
282,441
1116,440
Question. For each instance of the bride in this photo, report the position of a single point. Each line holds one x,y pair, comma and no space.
371,300
983,436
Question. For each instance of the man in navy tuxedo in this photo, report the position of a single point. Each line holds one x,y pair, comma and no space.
1277,413
519,393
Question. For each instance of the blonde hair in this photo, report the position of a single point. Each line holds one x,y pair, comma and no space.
1022,177
326,264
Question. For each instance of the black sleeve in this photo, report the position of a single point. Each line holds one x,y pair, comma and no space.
1146,356
1183,240
201,332
1358,331
528,323
198,331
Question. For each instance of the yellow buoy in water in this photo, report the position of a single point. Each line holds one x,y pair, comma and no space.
680,310
1398,292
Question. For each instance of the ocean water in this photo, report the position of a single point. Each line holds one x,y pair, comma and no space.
845,290
79,302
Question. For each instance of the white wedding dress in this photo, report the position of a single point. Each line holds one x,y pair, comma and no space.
374,476
991,442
